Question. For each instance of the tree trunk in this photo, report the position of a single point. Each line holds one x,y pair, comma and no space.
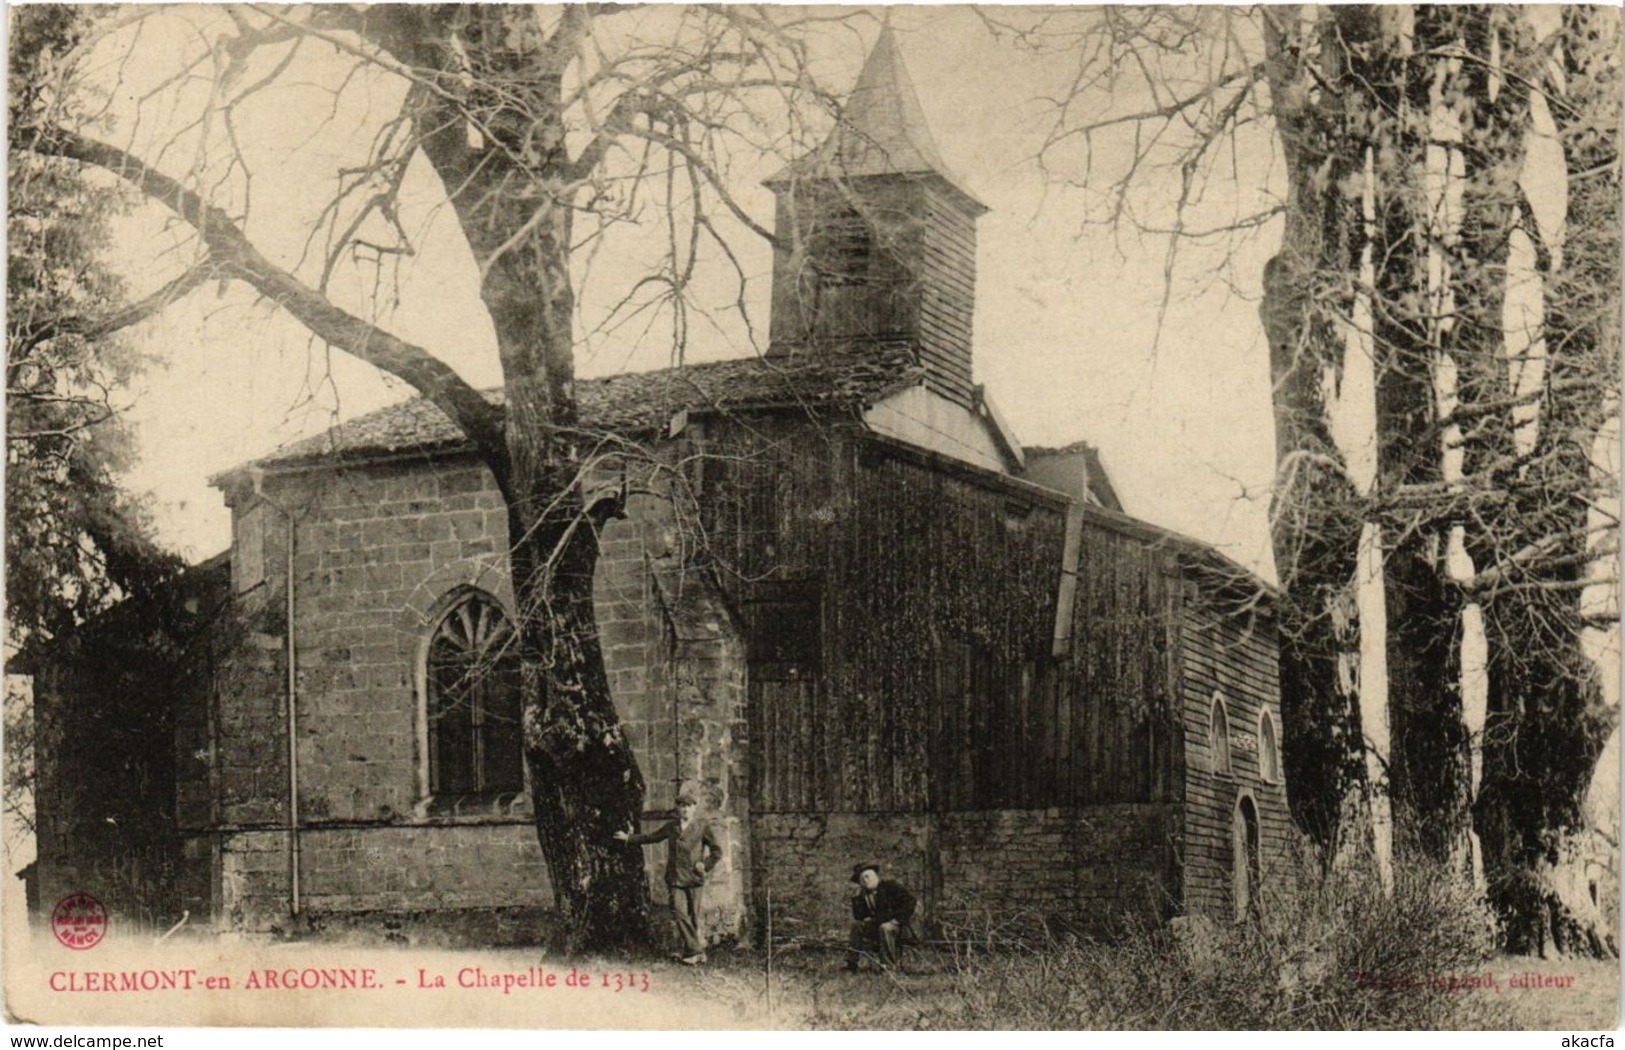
1315,520
1548,721
1429,770
585,782
496,139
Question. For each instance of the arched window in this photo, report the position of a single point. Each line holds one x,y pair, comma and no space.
472,677
1219,736
1269,752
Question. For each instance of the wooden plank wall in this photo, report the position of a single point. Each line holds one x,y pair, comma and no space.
917,280
947,291
1231,652
935,687
1125,670
858,272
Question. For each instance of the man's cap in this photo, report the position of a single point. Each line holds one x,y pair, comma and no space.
859,869
685,799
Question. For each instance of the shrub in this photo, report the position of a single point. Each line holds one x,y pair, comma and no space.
1322,951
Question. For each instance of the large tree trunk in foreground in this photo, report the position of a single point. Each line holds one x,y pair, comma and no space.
493,127
585,782
1429,777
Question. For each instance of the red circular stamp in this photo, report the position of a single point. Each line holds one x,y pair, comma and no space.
79,921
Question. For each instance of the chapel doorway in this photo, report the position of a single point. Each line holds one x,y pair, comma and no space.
1246,876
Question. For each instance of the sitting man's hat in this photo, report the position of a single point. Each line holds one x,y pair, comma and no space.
859,869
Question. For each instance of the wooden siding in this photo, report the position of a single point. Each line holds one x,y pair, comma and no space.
915,280
1125,670
1231,652
947,280
846,267
934,588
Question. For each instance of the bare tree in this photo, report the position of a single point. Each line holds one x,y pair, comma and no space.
543,127
1468,511
1309,294
1545,540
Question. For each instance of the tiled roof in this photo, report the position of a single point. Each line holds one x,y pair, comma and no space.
1075,448
640,402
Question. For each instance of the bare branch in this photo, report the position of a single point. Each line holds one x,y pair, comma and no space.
231,252
101,327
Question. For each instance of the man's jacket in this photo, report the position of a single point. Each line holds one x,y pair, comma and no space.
695,845
889,902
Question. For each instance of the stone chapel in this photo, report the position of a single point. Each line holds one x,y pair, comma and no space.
847,607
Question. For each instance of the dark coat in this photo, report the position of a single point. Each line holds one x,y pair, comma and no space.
689,849
892,902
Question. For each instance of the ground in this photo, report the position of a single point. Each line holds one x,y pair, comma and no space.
1592,1003
806,989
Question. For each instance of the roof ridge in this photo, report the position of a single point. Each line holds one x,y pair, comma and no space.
1080,445
633,401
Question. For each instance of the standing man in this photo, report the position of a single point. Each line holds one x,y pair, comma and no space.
691,853
881,910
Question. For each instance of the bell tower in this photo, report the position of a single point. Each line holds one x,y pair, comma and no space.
876,241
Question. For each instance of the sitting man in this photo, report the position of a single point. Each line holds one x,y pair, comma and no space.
881,910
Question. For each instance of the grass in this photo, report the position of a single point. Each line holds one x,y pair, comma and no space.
1334,953
1038,991
1329,954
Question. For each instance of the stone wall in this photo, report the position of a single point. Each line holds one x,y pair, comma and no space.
248,782
403,868
803,864
702,679
1085,869
1088,869
678,673
378,549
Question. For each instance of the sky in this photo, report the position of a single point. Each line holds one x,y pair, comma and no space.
1067,332
1065,327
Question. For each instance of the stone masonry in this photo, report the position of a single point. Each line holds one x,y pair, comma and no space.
379,549
1087,869
1090,868
805,864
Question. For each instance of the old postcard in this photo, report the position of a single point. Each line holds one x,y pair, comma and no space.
815,518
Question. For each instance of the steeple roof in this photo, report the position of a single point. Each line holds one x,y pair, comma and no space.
882,129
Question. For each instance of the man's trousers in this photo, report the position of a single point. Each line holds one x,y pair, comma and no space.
872,939
685,912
